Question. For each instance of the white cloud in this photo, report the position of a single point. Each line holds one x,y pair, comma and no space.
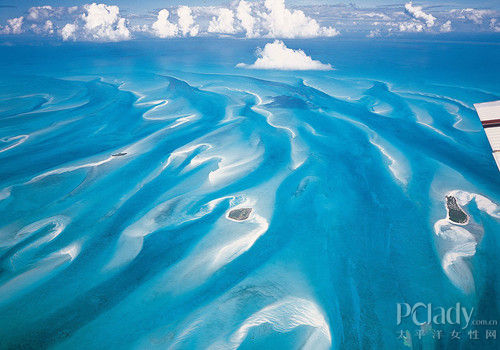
247,21
47,28
494,26
446,27
186,22
103,23
256,18
277,56
223,23
328,31
68,31
42,13
414,27
39,12
473,15
141,28
16,25
417,13
13,26
379,15
281,22
374,33
163,28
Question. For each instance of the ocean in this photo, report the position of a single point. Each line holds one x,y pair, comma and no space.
154,195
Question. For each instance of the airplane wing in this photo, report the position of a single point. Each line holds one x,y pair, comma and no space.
489,114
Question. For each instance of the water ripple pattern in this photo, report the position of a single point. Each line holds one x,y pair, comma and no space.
228,210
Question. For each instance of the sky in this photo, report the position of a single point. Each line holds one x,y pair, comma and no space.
80,20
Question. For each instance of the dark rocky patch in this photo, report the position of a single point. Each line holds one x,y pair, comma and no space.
455,213
240,214
119,154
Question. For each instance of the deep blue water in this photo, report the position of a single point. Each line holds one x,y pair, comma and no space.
121,162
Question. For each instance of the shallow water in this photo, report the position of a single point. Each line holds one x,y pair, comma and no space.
121,163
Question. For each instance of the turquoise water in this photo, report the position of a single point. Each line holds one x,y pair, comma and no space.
121,162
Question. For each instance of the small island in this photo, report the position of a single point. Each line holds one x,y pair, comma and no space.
240,214
455,213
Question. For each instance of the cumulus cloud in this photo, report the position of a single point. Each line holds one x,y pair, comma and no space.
142,28
494,26
277,56
281,22
42,19
378,15
47,28
103,22
374,33
16,25
13,26
473,15
417,13
247,21
256,18
40,12
413,27
163,28
186,22
223,23
68,32
446,27
92,22
185,25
